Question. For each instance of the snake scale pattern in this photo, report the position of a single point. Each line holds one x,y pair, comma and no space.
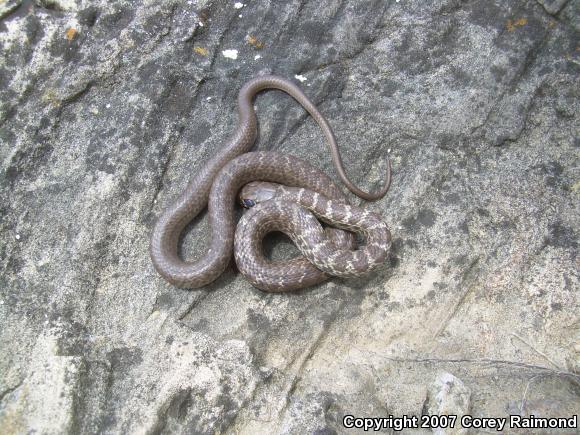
292,211
216,185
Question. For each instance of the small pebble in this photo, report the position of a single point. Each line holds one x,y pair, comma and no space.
17,236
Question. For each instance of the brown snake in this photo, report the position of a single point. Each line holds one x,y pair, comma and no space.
217,183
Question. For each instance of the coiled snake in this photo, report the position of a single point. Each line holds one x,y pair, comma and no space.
217,184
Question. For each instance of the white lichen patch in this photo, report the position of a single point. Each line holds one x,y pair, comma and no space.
102,187
230,54
14,33
300,77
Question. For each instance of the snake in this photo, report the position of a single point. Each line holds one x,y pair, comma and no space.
294,212
216,185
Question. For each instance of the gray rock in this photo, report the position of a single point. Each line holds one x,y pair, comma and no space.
106,108
9,6
553,6
447,396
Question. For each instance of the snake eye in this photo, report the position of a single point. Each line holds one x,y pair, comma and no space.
248,203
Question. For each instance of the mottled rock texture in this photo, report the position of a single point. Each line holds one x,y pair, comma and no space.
108,107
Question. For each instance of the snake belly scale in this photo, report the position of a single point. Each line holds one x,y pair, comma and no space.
217,183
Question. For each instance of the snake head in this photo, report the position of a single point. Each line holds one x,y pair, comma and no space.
256,192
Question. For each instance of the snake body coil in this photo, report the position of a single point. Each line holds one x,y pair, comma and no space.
292,211
217,183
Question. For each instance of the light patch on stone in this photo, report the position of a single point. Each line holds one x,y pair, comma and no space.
300,77
206,376
448,395
14,33
101,188
238,5
43,403
257,56
7,6
230,54
154,315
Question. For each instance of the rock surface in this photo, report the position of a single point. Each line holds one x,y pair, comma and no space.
106,108
447,397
